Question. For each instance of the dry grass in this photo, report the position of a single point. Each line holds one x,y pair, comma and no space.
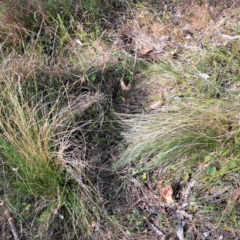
198,141
48,160
52,124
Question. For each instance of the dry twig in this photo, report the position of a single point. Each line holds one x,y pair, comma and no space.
12,227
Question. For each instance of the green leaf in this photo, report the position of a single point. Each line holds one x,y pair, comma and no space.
93,77
207,158
211,170
144,177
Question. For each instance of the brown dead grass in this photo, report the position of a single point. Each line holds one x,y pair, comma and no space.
92,54
168,39
180,26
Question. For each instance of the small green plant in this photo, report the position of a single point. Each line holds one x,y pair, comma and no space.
137,221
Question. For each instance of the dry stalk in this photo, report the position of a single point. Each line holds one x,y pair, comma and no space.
12,227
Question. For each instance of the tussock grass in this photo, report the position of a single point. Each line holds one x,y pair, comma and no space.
195,127
49,160
198,141
55,126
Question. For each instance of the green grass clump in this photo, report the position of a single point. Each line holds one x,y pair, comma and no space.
222,66
49,159
196,132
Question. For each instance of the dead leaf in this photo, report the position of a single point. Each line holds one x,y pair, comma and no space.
235,196
166,194
203,76
156,105
124,87
233,200
145,51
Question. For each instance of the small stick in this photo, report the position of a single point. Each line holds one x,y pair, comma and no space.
10,222
3,229
22,236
